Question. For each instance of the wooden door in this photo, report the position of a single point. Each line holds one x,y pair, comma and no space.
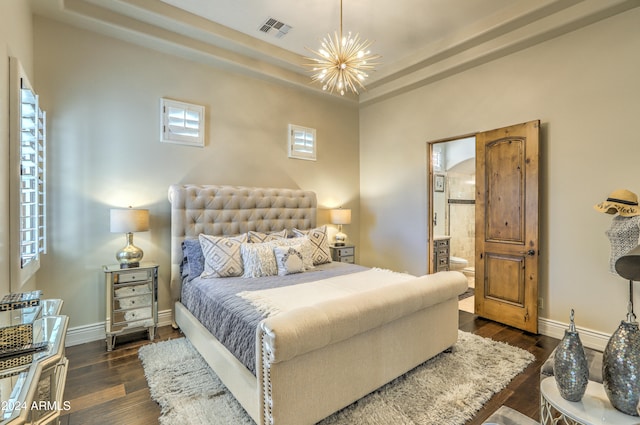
507,246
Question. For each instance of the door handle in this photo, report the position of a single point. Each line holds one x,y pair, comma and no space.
530,253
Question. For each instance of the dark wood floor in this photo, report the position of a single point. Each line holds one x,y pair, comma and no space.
110,388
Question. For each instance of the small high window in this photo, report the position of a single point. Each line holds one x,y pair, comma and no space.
302,142
181,123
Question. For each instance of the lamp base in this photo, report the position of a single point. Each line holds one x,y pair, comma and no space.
130,255
341,239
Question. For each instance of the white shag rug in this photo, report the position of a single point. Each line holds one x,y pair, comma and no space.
446,390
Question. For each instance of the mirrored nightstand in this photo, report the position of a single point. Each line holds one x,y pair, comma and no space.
343,254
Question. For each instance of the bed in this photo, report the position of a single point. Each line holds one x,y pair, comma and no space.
312,359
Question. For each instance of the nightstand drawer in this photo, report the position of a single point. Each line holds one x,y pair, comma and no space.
348,251
348,259
131,276
136,301
120,291
132,315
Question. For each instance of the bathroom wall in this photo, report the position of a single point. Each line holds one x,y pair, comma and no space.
460,193
461,207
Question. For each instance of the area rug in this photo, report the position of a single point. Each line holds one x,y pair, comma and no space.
507,416
446,390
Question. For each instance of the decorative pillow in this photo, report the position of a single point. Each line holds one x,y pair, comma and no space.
259,237
193,261
289,259
306,249
258,260
320,242
222,255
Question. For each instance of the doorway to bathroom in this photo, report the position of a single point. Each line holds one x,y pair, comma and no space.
505,226
452,210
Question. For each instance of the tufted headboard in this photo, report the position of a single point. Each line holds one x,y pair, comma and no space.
231,210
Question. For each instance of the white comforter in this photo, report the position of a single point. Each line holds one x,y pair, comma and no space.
277,300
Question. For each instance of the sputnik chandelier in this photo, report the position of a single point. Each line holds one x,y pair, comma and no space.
342,62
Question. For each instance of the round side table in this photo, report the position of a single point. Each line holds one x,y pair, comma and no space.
593,409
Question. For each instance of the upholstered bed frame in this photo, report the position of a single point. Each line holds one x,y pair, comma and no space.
311,361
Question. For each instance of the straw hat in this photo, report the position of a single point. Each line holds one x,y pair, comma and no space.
620,201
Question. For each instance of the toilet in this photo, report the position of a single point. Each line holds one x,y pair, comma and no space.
458,264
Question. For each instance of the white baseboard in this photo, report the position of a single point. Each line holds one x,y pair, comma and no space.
94,332
591,339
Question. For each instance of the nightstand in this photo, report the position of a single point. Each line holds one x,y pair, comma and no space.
343,254
132,301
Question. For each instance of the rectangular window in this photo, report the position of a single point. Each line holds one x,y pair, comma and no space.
28,153
302,142
181,123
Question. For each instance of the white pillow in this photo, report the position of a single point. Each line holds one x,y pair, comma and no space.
319,241
222,255
289,259
306,248
258,260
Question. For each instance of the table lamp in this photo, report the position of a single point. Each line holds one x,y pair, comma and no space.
340,216
128,221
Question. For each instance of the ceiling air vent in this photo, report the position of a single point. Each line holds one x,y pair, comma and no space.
275,28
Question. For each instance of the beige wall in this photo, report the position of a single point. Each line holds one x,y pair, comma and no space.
585,89
16,39
102,96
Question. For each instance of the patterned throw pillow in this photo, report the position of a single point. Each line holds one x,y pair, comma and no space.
258,260
320,242
289,259
259,237
306,248
222,256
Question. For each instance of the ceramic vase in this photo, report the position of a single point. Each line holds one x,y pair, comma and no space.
570,366
621,368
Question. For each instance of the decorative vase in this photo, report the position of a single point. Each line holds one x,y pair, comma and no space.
621,368
570,366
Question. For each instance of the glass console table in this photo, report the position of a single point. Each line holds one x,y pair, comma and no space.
32,393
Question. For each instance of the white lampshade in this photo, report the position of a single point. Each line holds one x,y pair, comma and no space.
340,216
129,220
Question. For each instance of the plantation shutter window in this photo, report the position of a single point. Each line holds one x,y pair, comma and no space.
302,142
182,123
32,178
28,178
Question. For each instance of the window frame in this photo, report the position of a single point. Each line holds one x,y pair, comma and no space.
306,152
182,138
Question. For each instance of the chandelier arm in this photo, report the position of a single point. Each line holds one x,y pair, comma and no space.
340,20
